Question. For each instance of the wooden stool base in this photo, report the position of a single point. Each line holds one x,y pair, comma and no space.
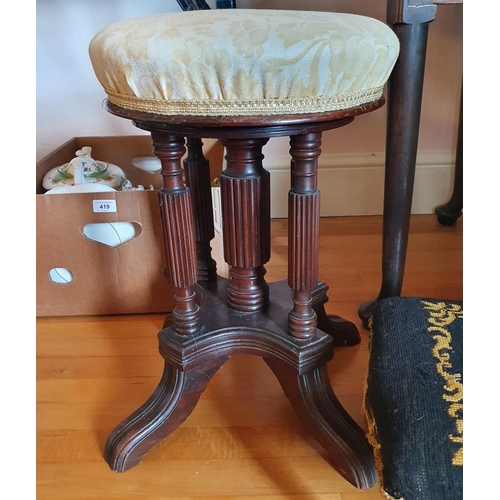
285,323
300,367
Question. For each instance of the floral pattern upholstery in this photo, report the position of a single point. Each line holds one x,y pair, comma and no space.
244,62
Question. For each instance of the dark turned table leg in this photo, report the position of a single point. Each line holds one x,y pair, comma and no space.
403,119
448,214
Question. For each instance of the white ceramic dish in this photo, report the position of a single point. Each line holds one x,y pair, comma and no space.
81,188
150,164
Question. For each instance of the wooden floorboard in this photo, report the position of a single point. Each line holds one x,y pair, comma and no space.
243,440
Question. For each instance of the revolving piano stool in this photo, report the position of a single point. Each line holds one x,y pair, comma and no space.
243,77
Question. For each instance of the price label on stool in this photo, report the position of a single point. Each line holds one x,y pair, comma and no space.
104,206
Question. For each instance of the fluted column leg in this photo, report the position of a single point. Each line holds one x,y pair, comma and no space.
303,233
178,231
197,173
245,194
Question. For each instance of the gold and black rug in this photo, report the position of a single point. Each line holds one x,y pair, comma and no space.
414,397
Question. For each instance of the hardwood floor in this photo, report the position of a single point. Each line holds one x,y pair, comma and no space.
243,438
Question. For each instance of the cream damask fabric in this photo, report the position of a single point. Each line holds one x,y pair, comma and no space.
244,62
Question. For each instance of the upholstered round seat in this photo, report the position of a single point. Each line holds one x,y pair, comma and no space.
244,62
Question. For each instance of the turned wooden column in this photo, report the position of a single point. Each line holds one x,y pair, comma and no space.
178,231
245,195
197,175
303,233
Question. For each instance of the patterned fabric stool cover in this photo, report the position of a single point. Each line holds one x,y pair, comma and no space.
414,397
244,62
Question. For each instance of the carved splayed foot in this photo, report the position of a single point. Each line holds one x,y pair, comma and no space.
168,407
325,419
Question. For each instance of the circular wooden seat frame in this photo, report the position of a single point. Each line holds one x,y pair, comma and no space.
285,322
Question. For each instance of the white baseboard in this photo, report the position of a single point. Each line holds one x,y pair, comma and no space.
354,184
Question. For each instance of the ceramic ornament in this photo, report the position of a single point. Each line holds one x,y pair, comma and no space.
81,188
127,186
150,164
82,174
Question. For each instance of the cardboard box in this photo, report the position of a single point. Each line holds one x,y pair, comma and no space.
127,279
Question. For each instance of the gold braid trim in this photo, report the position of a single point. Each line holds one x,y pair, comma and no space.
386,495
373,439
440,316
264,107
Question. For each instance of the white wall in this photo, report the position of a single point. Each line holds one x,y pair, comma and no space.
69,97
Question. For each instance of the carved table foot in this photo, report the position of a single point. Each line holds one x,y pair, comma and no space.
325,419
344,332
171,403
449,213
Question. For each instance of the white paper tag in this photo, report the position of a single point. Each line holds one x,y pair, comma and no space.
104,206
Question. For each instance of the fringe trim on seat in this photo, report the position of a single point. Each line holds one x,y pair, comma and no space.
260,107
